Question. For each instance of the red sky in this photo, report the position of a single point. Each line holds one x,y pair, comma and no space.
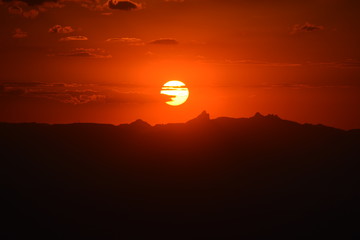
95,61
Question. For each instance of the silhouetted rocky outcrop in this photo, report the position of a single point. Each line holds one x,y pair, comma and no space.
202,118
140,124
226,178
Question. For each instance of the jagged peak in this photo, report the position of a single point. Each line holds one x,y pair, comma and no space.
140,123
273,116
269,116
258,115
203,117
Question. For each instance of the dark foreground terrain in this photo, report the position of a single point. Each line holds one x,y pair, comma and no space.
256,178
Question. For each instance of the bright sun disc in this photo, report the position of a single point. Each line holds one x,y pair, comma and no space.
178,92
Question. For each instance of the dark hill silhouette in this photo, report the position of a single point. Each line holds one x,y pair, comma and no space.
257,178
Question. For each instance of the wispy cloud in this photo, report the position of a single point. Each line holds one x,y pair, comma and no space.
19,33
84,52
74,38
306,27
341,63
346,63
76,93
247,62
62,92
164,41
126,40
262,63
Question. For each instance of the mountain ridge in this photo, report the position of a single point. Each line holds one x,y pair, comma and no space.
202,118
224,178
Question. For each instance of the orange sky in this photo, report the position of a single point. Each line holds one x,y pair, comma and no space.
99,61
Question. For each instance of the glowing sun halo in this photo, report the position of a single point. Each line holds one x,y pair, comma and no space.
178,92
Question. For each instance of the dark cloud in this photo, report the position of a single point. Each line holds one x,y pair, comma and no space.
84,52
16,88
306,27
30,9
165,41
34,2
15,10
23,84
12,91
76,97
124,5
76,93
61,29
72,93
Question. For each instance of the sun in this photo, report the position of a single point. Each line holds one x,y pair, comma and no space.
178,92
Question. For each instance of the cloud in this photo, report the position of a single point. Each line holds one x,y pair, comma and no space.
128,41
261,63
248,62
16,9
346,63
60,29
76,93
165,41
16,88
93,5
72,93
74,38
306,27
34,2
18,33
303,85
343,63
85,53
30,9
23,84
124,5
33,13
78,97
11,91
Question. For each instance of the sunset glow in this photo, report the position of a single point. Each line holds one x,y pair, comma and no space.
105,61
180,119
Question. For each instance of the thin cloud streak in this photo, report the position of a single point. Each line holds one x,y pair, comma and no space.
73,38
76,93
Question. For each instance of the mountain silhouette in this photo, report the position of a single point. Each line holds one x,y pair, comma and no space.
224,178
140,124
202,118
